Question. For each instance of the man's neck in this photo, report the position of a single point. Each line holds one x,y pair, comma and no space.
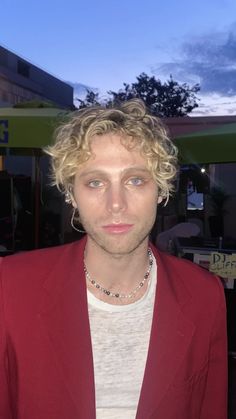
116,272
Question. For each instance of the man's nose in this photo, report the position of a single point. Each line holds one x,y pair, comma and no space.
116,199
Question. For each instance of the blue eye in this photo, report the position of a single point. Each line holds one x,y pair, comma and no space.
95,183
136,181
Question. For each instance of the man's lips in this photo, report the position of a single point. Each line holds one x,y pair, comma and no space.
117,228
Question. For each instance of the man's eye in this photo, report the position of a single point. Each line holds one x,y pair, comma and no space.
95,183
135,181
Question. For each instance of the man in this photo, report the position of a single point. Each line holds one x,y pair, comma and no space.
108,327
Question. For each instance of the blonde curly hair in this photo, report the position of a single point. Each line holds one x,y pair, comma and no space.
137,129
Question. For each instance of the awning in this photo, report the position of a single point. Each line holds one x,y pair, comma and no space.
28,128
216,145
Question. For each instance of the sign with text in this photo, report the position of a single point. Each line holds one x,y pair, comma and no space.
4,131
223,264
29,128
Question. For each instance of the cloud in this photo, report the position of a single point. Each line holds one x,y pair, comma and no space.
215,104
209,60
80,91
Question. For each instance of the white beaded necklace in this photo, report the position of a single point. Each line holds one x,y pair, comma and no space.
117,294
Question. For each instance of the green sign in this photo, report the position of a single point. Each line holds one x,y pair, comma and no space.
4,134
28,128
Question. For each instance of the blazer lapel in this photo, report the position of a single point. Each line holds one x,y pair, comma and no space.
64,316
171,335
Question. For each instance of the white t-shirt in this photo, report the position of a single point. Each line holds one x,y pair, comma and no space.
120,341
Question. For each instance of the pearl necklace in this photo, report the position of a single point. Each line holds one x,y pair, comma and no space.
117,294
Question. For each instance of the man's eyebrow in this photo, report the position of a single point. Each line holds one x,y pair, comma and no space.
143,170
104,172
92,172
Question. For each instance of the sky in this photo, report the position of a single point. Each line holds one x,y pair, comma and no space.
102,44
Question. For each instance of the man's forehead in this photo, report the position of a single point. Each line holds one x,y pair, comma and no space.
110,146
114,138
115,145
108,153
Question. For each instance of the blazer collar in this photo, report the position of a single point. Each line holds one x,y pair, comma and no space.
65,318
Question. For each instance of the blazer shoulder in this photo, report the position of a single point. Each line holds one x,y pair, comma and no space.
40,260
198,280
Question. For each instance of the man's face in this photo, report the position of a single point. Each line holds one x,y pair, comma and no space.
116,196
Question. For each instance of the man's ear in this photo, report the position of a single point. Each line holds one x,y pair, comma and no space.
73,203
159,199
70,197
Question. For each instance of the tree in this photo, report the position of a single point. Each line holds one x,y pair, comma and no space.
162,99
91,99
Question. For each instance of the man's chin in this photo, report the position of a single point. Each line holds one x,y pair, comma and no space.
121,245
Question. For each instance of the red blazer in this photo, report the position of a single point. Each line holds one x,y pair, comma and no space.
46,365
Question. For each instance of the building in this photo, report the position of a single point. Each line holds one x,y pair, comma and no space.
22,81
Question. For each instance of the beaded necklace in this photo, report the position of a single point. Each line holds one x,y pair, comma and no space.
117,294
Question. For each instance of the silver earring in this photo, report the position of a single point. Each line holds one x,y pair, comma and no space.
68,198
69,195
72,221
